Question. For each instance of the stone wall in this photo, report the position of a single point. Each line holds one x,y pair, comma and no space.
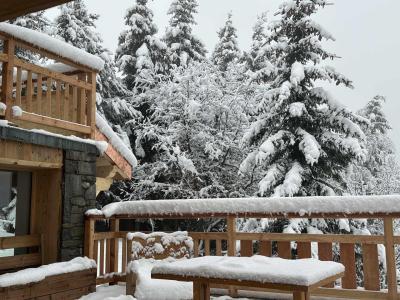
79,195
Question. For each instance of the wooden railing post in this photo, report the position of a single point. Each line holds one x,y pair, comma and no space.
114,228
231,230
91,105
89,237
8,76
390,259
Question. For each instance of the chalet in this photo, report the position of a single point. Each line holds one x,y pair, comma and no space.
56,152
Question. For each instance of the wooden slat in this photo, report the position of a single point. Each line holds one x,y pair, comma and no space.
124,260
20,261
196,248
218,244
246,248
96,251
113,254
284,250
390,258
231,230
18,87
3,57
325,253
29,88
265,248
304,250
40,105
58,100
371,267
207,247
65,108
107,256
74,105
348,259
8,76
48,104
20,241
91,105
101,257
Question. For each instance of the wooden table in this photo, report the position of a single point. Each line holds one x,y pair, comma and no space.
206,271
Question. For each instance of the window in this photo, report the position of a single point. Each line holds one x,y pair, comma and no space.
15,194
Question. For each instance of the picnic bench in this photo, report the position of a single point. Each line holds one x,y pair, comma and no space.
299,277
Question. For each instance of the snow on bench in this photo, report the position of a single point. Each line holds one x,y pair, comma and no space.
301,272
298,206
33,275
56,46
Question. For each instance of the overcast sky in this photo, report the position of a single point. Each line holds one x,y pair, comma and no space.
366,31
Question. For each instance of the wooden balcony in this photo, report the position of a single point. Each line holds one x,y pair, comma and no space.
58,97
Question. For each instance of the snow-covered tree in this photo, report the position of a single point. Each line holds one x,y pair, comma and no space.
183,45
76,26
259,60
305,140
35,21
379,173
140,53
227,49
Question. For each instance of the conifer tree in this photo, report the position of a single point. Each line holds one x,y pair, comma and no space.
181,42
304,139
259,60
227,50
76,26
140,53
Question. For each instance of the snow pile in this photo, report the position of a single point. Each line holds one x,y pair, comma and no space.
37,274
175,245
303,272
3,123
297,74
302,206
16,111
58,47
115,141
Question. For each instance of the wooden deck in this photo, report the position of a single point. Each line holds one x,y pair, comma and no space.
103,247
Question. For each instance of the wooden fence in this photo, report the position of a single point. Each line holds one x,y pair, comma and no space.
50,98
104,247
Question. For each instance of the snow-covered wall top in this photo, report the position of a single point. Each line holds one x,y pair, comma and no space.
38,274
115,140
297,206
56,46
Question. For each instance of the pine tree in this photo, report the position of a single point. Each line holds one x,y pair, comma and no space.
140,53
35,21
76,26
183,45
227,50
259,60
304,139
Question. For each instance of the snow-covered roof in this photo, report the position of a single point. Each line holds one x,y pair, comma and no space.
330,206
302,272
53,45
115,140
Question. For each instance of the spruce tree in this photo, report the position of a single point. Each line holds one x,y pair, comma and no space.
183,45
139,52
227,50
259,60
76,26
304,139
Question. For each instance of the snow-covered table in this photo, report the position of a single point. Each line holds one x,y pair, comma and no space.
297,276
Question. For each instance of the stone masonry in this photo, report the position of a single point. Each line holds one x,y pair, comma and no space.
79,195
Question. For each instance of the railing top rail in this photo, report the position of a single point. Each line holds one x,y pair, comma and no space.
294,207
51,47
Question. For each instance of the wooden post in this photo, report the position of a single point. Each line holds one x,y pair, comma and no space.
114,246
231,230
201,290
8,76
89,242
390,259
91,105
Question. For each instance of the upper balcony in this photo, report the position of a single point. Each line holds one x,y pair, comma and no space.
58,96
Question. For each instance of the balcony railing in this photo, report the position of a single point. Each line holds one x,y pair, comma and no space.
59,97
111,249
